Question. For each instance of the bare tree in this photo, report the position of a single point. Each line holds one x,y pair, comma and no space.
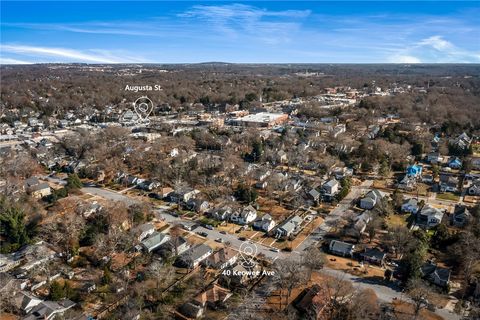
289,274
419,293
313,259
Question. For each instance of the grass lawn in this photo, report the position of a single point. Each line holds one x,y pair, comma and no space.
448,196
396,220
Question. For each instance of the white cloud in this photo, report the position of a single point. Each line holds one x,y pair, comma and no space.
13,61
240,11
438,43
67,55
404,59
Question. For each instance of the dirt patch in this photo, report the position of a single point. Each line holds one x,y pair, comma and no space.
405,311
354,267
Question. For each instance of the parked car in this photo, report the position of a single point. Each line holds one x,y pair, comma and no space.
209,226
174,214
154,195
223,232
242,238
219,240
203,234
275,249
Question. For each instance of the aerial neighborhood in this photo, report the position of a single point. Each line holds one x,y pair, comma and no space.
263,184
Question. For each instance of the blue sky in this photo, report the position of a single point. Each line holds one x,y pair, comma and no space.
250,32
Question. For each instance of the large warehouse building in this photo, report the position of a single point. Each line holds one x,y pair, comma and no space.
262,119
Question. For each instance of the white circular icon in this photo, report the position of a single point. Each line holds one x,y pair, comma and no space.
143,107
248,251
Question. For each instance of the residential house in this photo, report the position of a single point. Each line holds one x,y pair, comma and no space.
371,199
281,157
194,256
261,174
462,142
314,194
429,217
410,206
164,192
261,184
265,223
455,163
434,158
475,161
155,240
36,188
222,213
313,302
374,255
246,216
414,170
173,246
461,216
143,231
448,183
342,172
341,248
361,221
474,189
222,258
331,188
407,183
26,301
47,310
427,178
35,255
148,185
9,262
214,296
198,205
183,195
288,227
436,275
191,310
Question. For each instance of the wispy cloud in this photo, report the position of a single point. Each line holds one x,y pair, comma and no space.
4,60
435,49
240,20
64,54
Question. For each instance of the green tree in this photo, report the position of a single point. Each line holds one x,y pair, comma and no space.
107,276
246,193
13,227
57,291
417,149
73,182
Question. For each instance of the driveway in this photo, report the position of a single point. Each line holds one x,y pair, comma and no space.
335,215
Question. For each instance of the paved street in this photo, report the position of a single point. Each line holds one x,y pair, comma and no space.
383,292
335,215
108,194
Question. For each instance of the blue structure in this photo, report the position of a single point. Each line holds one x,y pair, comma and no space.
455,163
414,170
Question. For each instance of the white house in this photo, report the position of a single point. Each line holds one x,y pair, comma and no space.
410,205
288,227
246,216
371,199
331,188
264,223
429,217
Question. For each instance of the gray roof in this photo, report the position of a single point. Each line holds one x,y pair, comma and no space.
290,224
331,183
155,240
196,252
340,246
